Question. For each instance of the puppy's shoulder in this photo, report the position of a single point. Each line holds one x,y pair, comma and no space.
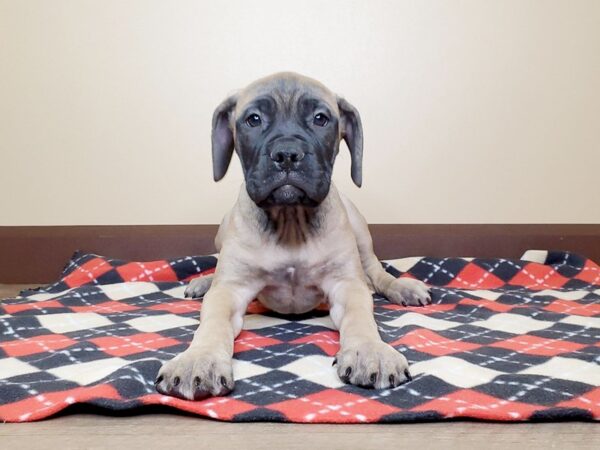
242,225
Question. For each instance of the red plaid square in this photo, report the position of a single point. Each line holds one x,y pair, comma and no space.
533,345
37,344
474,277
87,272
334,407
147,271
432,343
248,340
328,341
570,307
467,403
130,345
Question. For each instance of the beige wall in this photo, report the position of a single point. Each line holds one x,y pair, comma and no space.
474,111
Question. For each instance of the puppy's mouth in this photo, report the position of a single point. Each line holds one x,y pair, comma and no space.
287,195
285,189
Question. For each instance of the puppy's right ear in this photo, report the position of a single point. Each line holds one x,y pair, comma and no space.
222,137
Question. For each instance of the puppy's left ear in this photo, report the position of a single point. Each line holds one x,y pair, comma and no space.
222,137
351,132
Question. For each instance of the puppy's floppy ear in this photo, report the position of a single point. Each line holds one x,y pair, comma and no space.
351,132
222,137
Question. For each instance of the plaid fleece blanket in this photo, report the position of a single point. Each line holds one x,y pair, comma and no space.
509,340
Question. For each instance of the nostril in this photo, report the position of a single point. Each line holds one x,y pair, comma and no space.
277,156
287,156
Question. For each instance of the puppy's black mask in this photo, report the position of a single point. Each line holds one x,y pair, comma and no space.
286,132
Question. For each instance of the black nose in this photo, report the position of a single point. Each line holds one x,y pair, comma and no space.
287,157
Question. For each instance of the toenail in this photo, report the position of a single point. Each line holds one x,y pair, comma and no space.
224,382
373,378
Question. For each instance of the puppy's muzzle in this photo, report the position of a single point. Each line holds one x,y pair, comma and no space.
287,155
287,158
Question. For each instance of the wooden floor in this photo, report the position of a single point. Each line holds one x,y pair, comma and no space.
178,431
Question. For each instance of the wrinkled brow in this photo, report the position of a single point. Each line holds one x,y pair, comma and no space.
315,104
265,104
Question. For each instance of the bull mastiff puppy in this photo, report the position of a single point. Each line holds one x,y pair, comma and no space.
291,240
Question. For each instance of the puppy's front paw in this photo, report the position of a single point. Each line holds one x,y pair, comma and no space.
372,364
406,291
196,374
198,286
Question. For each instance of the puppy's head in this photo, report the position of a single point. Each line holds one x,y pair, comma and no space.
286,130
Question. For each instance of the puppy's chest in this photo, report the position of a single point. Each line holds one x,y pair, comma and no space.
294,275
293,288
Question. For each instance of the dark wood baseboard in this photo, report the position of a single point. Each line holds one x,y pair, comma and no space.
37,254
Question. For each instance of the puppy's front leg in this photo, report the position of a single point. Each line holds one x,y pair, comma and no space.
364,359
205,368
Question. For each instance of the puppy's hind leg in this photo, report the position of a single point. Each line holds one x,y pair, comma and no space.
402,291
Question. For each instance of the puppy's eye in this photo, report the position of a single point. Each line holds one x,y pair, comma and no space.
253,120
321,120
